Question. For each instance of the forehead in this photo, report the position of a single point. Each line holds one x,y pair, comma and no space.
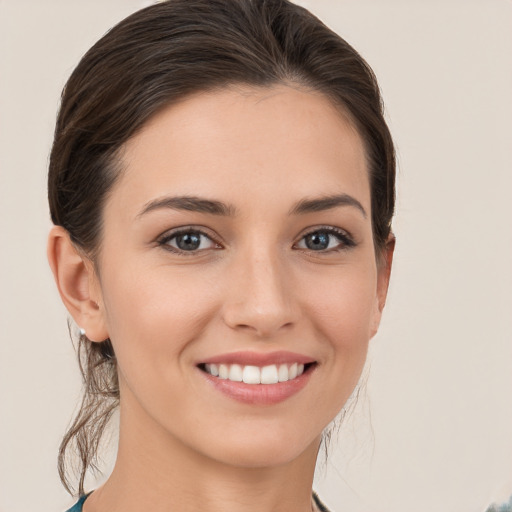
245,143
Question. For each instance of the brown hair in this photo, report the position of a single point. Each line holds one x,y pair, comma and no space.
153,58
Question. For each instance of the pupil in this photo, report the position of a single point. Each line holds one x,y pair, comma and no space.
317,241
188,242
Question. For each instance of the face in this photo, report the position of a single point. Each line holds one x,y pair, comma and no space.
237,273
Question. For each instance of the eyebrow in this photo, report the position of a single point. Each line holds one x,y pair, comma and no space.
214,207
191,204
327,203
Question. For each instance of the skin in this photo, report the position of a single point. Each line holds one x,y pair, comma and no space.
252,285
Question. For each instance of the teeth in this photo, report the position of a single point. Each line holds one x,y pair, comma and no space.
251,375
235,373
282,373
223,371
270,374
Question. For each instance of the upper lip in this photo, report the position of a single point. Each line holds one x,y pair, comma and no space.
245,358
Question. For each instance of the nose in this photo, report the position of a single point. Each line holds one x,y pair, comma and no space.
260,299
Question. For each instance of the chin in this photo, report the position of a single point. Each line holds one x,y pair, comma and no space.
257,458
276,447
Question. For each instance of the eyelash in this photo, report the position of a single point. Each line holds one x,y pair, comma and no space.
345,239
164,240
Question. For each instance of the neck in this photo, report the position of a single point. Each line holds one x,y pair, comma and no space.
154,471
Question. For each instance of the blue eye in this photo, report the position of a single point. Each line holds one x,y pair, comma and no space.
187,241
326,240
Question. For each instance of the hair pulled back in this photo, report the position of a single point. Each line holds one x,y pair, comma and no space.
154,58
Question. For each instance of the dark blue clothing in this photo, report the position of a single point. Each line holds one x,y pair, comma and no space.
77,507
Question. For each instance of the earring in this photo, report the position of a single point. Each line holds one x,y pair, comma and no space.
81,330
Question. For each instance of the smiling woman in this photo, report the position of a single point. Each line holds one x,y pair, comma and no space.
222,187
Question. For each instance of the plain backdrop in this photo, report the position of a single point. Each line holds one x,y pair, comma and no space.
433,430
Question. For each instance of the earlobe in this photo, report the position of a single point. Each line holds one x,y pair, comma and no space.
77,284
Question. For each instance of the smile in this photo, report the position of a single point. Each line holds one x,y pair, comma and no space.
257,378
249,374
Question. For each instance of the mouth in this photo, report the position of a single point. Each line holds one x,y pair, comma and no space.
257,378
253,375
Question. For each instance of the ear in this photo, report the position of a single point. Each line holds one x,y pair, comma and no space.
77,283
384,264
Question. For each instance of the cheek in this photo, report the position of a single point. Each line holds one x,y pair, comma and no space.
151,318
342,309
339,312
343,305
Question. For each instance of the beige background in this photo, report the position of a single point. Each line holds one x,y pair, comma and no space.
434,431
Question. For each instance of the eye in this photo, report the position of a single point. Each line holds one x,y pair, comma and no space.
326,239
189,240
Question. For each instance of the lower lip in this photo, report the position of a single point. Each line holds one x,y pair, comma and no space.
260,394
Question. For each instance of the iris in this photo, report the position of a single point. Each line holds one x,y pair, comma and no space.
188,241
317,241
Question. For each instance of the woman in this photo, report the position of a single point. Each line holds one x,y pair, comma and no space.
222,187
